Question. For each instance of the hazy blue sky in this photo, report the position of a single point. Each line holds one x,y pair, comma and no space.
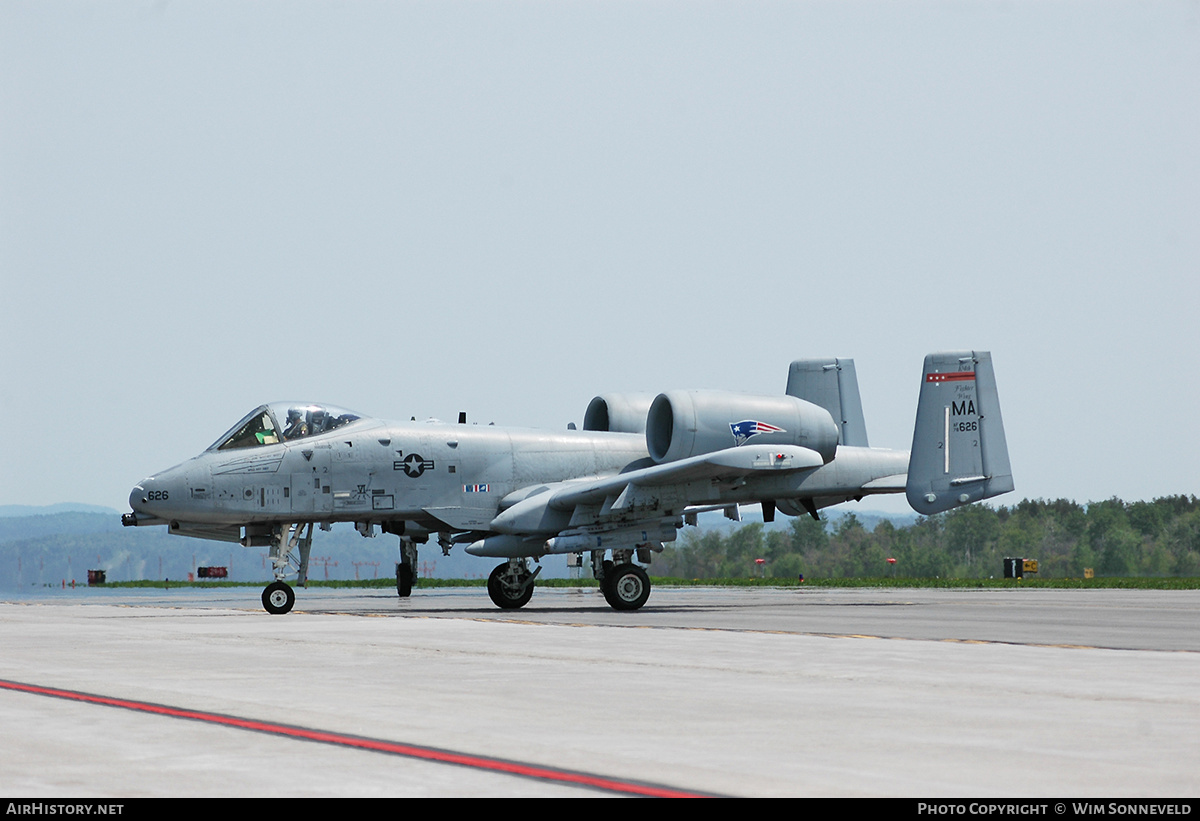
508,207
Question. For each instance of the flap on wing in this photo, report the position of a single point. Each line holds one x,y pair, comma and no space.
721,464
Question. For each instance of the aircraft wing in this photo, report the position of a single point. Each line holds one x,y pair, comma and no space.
649,486
723,464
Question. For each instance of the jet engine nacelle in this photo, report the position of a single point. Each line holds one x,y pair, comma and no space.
681,424
618,412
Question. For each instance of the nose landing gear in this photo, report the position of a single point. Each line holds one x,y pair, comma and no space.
278,598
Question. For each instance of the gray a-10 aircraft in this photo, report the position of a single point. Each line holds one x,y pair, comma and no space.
642,466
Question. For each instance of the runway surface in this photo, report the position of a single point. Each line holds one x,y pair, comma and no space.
808,691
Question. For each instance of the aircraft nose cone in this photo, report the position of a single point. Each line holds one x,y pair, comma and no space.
165,494
137,496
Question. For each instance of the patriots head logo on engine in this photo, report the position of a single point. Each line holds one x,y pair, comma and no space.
744,430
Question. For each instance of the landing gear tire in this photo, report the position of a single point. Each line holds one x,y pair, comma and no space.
507,587
606,588
606,582
404,580
627,587
278,598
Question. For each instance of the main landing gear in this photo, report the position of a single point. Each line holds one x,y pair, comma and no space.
625,585
511,584
406,567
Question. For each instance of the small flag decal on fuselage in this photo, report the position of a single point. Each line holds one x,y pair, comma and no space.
747,428
477,488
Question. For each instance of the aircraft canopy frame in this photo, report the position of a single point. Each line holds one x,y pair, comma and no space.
278,422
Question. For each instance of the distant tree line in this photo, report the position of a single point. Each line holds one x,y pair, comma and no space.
1112,538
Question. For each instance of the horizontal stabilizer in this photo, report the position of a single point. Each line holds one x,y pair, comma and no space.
896,483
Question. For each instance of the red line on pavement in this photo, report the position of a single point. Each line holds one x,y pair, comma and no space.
376,745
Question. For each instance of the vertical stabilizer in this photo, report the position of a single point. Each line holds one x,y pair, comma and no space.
959,454
833,385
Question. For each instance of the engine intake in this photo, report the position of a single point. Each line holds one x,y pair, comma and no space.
618,412
689,423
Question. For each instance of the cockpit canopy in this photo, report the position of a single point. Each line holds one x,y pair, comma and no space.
283,422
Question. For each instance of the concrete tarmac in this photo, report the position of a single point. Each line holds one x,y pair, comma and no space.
800,692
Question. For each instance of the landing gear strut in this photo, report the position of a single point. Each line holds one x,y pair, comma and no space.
278,597
511,584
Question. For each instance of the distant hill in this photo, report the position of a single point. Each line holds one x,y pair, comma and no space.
50,548
55,543
48,510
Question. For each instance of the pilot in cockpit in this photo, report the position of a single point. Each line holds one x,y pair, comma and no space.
297,426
